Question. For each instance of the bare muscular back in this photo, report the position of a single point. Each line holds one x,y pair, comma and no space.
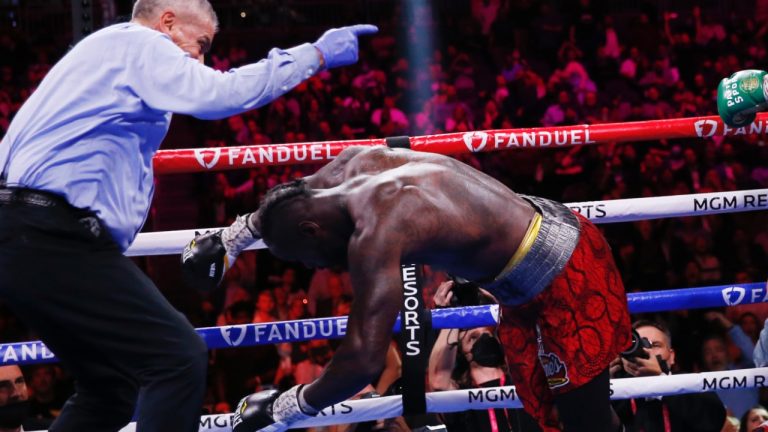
399,206
436,209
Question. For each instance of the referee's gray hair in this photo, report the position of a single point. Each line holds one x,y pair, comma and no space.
146,9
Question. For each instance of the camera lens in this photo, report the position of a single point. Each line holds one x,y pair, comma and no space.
637,347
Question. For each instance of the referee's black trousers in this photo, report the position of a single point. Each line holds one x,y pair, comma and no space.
129,350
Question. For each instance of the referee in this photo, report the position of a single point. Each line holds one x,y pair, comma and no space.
75,187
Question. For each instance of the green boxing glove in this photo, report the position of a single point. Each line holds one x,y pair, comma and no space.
741,97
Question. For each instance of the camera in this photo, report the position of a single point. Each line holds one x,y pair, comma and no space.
465,293
637,348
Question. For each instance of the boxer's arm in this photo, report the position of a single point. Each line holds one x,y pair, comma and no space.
374,265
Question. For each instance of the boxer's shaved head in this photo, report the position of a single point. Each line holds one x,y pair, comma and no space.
300,224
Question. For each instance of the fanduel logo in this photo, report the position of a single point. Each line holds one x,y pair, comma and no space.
731,292
469,140
200,156
227,334
705,128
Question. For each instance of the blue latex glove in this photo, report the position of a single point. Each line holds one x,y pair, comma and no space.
339,46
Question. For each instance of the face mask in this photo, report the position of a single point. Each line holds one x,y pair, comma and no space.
13,414
487,351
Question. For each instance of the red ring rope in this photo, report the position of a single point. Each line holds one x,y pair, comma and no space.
228,158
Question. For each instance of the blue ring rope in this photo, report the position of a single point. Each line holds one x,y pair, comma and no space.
35,352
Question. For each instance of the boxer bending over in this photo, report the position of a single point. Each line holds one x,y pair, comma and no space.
565,311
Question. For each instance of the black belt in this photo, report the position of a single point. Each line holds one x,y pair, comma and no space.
31,197
37,198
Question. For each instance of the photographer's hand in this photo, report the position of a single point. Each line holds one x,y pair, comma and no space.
638,367
615,367
444,294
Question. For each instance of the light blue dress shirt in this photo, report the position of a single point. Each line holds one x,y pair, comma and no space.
739,401
761,349
90,129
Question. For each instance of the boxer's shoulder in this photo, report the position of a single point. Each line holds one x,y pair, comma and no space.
338,170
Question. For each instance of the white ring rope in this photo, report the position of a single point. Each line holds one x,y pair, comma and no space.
506,397
621,210
634,209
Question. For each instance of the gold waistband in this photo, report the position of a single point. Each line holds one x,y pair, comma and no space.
525,245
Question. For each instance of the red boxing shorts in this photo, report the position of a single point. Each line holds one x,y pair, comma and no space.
568,333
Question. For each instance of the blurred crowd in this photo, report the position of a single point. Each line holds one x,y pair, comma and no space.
491,64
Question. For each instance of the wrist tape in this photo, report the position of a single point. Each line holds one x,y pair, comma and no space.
291,407
238,236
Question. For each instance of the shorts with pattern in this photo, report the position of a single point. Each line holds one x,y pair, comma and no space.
570,332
